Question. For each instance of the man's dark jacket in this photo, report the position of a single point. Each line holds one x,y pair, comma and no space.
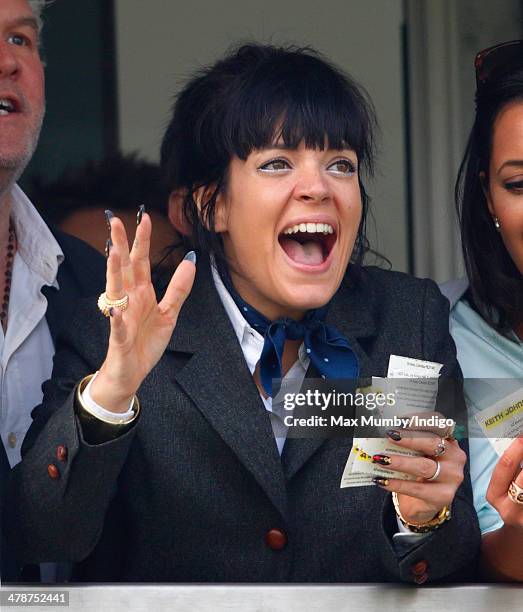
80,275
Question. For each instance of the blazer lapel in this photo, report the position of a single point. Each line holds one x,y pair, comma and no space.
217,380
352,314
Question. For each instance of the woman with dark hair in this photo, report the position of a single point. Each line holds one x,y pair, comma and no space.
487,313
266,149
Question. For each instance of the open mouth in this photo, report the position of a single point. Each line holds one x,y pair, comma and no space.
308,244
7,107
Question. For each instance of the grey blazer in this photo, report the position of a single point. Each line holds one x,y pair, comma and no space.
192,491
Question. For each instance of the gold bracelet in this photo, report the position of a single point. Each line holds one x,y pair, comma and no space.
435,523
97,428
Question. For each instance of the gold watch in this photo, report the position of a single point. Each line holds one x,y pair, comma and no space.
441,517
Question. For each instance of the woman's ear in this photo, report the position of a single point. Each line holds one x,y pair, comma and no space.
178,218
176,214
202,194
220,214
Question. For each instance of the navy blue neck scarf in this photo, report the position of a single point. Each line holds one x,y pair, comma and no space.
329,352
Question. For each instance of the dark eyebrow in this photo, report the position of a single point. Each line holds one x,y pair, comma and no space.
516,163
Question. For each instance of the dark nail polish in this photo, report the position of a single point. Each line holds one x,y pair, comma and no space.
395,435
191,256
108,216
108,245
381,459
139,214
111,312
382,482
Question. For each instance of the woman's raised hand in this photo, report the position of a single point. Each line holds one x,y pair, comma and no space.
139,334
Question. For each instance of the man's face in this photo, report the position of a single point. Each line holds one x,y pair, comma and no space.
22,101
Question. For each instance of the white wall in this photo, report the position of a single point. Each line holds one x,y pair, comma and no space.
161,42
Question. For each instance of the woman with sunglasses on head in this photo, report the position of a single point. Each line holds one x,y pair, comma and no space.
487,313
267,149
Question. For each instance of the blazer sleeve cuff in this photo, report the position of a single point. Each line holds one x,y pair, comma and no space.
448,553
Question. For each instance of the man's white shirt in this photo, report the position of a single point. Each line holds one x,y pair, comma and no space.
26,351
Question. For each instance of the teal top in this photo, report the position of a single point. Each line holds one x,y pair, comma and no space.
484,354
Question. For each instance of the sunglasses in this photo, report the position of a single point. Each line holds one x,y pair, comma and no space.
497,60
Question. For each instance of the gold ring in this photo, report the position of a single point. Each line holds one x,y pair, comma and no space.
515,493
105,304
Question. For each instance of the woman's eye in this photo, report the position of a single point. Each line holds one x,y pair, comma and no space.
514,185
343,166
19,40
275,165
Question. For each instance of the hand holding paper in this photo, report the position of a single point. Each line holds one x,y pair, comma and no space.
414,461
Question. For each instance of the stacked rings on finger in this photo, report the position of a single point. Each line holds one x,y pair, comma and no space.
105,304
436,473
515,493
440,448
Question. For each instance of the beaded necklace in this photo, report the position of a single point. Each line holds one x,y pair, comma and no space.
10,257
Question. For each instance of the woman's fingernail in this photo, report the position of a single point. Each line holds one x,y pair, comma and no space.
111,312
139,214
108,216
108,245
394,434
190,256
381,459
382,482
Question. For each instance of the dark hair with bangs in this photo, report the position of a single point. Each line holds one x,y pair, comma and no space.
496,287
248,100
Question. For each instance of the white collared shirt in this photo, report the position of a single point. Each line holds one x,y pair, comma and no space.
26,350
